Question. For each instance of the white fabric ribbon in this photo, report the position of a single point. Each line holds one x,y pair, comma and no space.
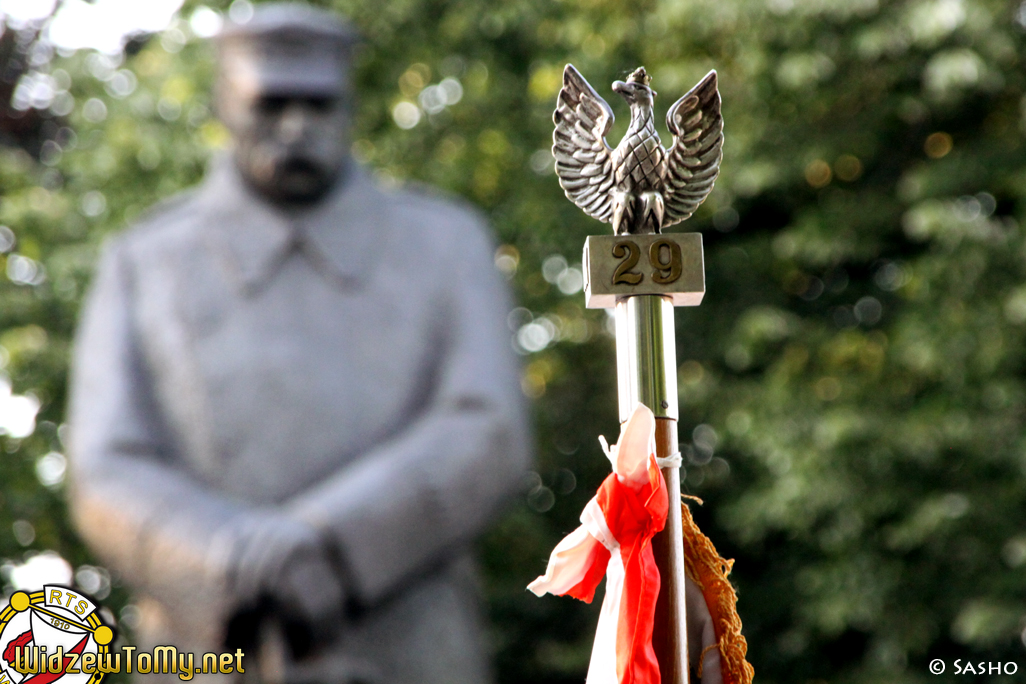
674,460
602,666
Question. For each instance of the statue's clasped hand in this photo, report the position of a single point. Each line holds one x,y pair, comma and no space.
283,573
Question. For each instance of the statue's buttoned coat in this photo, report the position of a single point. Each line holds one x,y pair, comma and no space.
346,365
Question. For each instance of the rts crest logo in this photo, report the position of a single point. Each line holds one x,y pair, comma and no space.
50,635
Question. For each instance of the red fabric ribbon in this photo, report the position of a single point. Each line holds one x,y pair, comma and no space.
615,541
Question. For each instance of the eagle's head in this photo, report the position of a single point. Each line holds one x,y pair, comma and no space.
636,89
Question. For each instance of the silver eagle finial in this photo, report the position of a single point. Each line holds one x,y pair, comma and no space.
640,187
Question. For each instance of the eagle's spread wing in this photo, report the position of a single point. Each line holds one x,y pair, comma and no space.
694,158
583,159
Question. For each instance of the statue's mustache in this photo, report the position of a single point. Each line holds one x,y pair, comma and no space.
270,161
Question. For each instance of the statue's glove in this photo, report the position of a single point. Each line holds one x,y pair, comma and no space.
311,598
282,569
702,636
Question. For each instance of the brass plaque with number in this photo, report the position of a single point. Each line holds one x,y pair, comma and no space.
670,264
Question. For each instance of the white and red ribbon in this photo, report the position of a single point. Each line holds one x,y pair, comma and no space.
614,540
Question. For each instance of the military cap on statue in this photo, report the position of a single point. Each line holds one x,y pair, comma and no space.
293,49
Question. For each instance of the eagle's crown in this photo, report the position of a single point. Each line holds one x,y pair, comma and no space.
641,76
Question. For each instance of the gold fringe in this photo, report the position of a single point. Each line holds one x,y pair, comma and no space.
709,571
701,658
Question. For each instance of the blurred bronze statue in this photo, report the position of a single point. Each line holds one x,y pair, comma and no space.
640,187
294,402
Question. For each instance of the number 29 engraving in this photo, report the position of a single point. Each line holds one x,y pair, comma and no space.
663,255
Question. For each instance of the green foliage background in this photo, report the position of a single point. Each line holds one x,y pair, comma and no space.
855,373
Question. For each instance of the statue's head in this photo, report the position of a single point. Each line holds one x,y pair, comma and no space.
636,89
285,94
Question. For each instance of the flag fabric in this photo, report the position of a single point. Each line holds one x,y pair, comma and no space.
709,571
614,541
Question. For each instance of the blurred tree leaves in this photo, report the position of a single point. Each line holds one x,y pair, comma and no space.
852,388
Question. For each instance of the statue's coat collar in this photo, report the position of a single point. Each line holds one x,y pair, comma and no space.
255,236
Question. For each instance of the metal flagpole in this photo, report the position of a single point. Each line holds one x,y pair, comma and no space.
647,373
646,365
640,188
